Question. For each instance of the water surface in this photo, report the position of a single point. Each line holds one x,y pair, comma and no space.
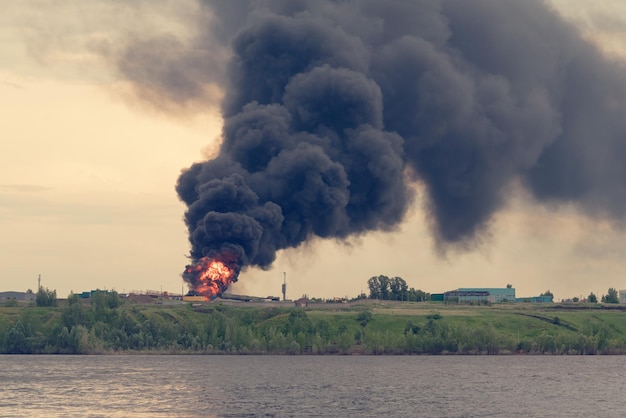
285,386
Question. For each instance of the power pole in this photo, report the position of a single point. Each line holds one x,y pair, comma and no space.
39,282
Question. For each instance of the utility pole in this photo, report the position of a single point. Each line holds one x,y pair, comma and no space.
39,282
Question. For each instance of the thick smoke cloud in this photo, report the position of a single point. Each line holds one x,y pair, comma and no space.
333,109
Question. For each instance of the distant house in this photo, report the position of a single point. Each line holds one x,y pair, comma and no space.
480,294
302,303
19,296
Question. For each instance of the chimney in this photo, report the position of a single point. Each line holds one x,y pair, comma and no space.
284,286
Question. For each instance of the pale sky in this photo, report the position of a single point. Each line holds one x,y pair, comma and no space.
87,176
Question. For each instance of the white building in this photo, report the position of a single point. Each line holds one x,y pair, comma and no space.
622,296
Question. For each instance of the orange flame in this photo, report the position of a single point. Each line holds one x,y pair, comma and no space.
212,277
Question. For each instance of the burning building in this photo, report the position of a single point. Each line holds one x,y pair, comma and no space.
210,276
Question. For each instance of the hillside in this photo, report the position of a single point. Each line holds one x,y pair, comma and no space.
112,326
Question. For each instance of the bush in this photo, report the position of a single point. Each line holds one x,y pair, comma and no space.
10,303
46,297
364,318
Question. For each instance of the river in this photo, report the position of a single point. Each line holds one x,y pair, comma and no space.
288,386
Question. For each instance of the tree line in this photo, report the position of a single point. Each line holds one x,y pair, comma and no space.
394,288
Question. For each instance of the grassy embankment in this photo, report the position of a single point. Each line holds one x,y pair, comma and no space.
364,328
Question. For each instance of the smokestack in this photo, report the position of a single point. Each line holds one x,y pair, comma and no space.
333,110
284,286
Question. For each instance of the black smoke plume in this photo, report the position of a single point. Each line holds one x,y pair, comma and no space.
333,108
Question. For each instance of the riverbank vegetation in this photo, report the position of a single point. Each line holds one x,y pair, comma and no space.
108,324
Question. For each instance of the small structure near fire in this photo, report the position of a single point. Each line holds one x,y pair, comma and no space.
194,298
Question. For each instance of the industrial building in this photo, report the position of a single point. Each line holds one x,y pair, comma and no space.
480,294
18,296
536,299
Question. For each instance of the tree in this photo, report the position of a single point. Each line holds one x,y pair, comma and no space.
374,285
611,297
592,298
73,313
103,306
46,297
384,287
113,299
417,295
398,288
379,287
16,340
547,293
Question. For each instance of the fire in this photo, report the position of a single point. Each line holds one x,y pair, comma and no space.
209,277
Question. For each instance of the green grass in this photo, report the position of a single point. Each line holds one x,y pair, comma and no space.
367,327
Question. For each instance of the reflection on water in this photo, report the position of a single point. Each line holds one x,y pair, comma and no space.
222,386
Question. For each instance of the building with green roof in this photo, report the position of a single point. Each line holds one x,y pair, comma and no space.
480,294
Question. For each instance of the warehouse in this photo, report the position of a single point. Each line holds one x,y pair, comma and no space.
18,296
480,294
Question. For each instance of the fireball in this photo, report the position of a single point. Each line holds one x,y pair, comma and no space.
209,277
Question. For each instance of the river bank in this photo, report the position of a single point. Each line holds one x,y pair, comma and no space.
366,327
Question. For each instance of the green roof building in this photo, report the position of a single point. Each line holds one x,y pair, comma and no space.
480,294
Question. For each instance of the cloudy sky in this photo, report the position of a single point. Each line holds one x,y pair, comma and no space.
91,149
